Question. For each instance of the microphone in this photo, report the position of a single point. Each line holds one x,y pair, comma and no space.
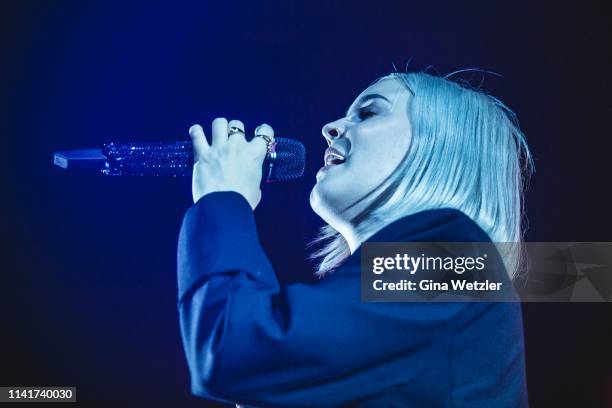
174,159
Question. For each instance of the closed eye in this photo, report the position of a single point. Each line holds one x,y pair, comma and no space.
365,113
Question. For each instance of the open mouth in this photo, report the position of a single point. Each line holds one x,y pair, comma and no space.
333,159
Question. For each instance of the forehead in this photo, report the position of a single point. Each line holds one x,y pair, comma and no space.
391,88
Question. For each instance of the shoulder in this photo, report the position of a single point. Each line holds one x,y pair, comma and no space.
435,225
441,225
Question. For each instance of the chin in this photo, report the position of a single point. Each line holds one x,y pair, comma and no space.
315,200
322,203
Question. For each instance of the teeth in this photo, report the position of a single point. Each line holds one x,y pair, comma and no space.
331,157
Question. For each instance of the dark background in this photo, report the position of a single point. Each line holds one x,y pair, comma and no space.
88,263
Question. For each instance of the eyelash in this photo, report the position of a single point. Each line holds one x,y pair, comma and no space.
365,113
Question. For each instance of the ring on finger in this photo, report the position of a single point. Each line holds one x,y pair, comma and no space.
270,142
233,130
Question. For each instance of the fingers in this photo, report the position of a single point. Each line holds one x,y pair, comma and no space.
236,136
219,131
263,129
200,144
236,123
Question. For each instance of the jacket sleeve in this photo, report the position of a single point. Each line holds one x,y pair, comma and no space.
249,340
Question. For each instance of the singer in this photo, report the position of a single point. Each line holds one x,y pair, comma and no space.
416,158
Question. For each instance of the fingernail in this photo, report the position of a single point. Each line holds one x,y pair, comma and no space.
266,129
195,129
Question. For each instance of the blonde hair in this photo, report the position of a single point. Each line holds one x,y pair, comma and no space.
467,152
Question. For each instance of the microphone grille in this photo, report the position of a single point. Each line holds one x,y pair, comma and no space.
290,160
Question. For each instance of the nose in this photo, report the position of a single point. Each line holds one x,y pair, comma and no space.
332,130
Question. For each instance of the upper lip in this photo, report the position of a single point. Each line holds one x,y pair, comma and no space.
331,154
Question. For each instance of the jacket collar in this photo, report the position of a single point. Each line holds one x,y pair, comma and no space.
436,225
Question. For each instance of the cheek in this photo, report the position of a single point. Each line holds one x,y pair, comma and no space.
375,154
378,156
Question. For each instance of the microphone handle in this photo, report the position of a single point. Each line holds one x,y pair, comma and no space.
175,159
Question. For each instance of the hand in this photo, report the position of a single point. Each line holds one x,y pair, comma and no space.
230,163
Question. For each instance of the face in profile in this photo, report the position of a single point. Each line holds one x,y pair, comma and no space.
365,147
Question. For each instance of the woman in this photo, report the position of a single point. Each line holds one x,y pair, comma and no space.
416,158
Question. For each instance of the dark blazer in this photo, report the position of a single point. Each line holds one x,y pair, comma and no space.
249,340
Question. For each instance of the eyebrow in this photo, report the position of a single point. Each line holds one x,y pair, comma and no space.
367,97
